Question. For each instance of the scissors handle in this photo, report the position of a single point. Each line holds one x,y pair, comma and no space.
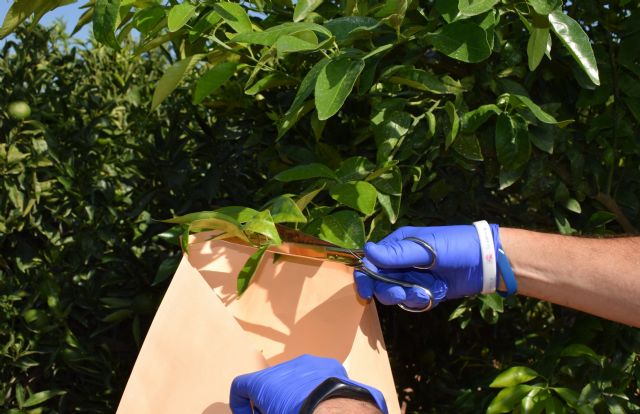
383,278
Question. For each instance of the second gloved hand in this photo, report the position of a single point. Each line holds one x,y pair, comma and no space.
283,388
458,269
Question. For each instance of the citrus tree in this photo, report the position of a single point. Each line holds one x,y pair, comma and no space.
363,115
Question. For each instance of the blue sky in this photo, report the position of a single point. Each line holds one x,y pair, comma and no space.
69,14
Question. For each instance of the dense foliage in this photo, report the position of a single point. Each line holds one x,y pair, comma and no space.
82,261
343,119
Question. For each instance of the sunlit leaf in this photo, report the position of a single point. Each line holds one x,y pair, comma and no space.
172,78
576,41
179,15
335,82
249,269
513,376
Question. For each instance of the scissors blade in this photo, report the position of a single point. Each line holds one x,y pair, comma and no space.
298,244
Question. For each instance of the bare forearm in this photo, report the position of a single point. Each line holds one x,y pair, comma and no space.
346,406
597,276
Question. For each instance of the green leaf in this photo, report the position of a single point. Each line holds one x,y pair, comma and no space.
272,34
344,228
262,223
539,113
165,270
296,43
568,395
422,81
118,316
590,395
544,7
306,86
201,215
508,176
389,127
184,240
334,84
105,20
179,15
148,18
495,302
388,181
292,118
554,405
306,171
576,41
19,11
534,401
508,398
203,25
391,206
249,269
463,41
600,218
513,376
580,350
171,79
354,168
543,138
213,79
285,210
359,195
238,213
469,8
452,10
40,397
512,141
303,8
537,46
305,199
472,120
235,16
272,80
393,12
468,146
452,132
343,27
459,311
228,226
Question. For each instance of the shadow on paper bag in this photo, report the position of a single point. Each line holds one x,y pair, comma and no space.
203,335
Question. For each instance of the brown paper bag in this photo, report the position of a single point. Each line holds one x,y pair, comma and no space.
203,335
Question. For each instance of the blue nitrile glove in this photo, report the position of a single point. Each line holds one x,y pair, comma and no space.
458,270
283,388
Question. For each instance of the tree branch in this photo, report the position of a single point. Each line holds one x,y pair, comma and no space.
610,204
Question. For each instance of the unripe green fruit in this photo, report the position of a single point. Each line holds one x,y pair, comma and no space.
19,110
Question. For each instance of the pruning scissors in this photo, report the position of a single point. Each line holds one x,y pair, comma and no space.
298,244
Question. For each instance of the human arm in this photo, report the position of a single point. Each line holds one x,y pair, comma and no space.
346,406
600,276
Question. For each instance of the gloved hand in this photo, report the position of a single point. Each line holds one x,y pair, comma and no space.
458,270
282,389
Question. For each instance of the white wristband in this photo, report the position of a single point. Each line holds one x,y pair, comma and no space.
487,250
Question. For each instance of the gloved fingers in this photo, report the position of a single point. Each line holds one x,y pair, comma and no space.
398,254
418,298
239,397
389,294
364,284
307,363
